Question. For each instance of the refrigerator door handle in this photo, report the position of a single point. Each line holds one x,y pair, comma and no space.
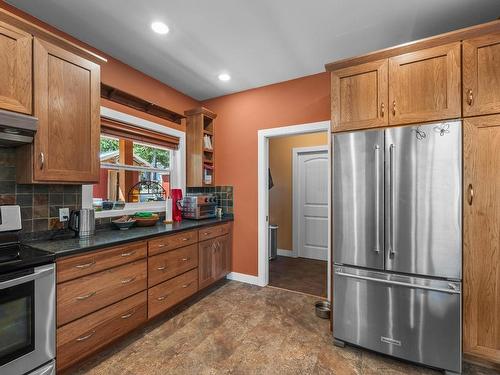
391,200
377,199
452,288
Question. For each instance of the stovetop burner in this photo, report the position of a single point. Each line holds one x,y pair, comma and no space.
16,256
10,253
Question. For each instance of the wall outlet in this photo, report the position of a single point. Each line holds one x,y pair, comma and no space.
63,214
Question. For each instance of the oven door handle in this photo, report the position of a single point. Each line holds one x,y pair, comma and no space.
39,272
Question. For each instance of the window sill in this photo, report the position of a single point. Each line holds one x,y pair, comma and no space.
132,208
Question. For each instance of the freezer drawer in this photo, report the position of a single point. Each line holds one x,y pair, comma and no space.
411,318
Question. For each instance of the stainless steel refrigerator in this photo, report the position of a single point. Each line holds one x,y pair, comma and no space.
397,242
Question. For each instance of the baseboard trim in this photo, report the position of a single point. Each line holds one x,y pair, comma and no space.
244,278
286,253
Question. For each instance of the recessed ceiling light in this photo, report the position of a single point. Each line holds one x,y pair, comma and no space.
224,77
160,28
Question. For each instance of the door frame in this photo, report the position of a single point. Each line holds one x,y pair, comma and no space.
295,184
263,137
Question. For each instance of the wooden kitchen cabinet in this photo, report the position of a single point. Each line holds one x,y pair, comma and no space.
359,96
425,85
481,247
214,260
15,69
481,75
67,104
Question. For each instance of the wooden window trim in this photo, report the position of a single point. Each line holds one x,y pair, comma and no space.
133,133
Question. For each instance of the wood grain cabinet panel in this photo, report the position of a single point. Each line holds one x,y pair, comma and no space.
67,104
165,295
481,75
481,246
87,335
212,232
99,260
206,271
87,294
425,85
15,69
359,96
174,241
222,257
172,263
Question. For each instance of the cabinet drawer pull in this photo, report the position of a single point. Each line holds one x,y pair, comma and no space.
470,97
206,233
83,338
129,280
186,259
128,254
161,268
126,316
86,265
185,238
186,285
162,245
81,298
471,194
162,297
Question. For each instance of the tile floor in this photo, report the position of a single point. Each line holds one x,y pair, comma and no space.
299,274
242,329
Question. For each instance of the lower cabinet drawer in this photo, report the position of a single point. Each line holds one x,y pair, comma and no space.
85,336
172,263
169,293
211,232
87,294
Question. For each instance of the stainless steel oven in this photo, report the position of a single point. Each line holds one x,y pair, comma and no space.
27,321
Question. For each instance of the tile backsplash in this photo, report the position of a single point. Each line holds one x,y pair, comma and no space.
39,203
224,196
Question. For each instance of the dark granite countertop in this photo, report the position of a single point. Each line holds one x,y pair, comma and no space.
110,237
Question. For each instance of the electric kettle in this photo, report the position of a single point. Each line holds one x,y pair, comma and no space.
82,222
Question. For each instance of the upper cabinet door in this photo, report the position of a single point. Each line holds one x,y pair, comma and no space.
481,75
425,85
15,69
67,104
359,96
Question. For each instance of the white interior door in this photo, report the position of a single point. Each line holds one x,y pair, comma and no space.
310,202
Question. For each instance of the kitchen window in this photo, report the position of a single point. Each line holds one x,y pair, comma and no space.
140,162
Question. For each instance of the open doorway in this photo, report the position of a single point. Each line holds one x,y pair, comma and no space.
294,195
298,212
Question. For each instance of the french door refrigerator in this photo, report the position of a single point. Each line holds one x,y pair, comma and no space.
397,242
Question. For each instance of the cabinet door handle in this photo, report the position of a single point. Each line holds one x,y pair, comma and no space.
161,268
382,109
471,194
470,97
129,280
394,107
128,254
126,316
42,160
83,338
86,265
81,298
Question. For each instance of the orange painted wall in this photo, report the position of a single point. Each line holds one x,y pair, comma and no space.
239,117
122,76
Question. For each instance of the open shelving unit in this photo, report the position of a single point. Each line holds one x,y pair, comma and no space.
200,147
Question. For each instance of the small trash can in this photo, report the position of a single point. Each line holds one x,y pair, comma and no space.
273,241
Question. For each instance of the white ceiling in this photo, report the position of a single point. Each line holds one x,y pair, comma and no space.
258,42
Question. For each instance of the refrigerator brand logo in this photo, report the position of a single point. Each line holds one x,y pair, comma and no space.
387,340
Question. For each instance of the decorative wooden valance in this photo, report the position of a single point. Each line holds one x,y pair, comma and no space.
132,101
133,133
